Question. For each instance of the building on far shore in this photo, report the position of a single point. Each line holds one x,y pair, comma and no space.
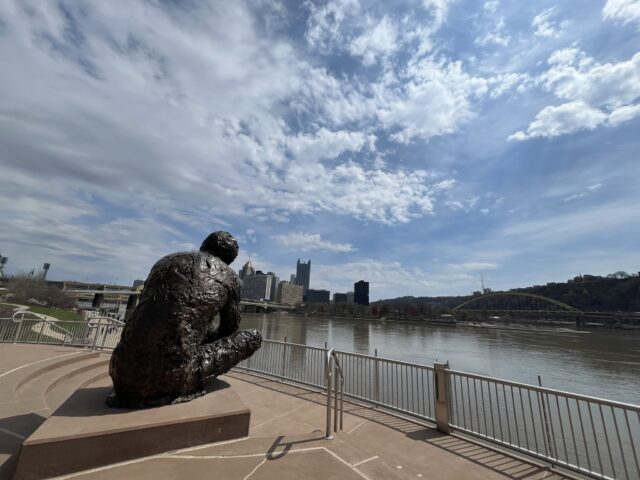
258,286
303,275
289,294
318,296
340,298
361,293
246,270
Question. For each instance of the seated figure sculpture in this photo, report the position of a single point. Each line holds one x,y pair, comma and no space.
170,348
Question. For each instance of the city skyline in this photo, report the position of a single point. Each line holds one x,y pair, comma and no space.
416,145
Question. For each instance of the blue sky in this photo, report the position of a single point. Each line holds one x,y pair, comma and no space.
416,145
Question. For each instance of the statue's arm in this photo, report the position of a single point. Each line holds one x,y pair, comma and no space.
229,317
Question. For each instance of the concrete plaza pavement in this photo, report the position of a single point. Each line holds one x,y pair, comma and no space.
285,439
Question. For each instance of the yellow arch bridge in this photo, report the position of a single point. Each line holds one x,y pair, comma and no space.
483,303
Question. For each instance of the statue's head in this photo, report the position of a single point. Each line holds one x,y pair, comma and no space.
222,245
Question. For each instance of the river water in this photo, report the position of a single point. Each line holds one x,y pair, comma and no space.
603,363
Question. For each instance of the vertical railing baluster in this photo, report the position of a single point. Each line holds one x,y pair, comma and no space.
573,435
484,410
615,423
564,442
606,436
506,411
515,415
533,422
584,437
40,332
524,419
633,447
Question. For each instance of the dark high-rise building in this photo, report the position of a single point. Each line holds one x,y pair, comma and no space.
340,298
361,293
318,296
303,274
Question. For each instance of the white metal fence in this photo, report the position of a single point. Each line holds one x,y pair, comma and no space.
591,436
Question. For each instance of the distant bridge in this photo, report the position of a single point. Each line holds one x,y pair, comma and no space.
475,304
98,296
481,298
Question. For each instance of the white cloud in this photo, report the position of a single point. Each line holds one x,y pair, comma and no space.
325,25
473,266
375,43
589,191
598,94
503,83
305,242
545,26
496,35
435,100
566,118
129,129
324,144
575,76
438,9
623,10
624,114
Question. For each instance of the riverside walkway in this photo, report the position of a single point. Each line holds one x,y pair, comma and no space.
285,438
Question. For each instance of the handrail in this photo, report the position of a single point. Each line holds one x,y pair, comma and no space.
331,368
40,318
99,318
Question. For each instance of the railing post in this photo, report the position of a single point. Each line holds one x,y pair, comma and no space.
328,375
284,358
376,381
95,337
15,339
545,424
442,397
40,332
104,337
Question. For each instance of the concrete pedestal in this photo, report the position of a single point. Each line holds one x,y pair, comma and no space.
85,433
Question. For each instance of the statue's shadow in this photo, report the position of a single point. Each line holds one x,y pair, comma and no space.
91,401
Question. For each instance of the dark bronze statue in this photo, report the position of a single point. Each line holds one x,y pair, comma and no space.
170,348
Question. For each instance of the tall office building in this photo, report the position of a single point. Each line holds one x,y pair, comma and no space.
247,269
274,286
361,293
303,274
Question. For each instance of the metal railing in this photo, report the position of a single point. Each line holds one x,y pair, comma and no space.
595,437
103,334
400,386
592,436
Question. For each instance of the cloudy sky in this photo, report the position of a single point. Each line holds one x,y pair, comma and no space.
416,144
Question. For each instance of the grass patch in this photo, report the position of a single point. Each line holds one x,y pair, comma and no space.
66,315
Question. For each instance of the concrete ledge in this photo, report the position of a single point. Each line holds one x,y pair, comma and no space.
85,433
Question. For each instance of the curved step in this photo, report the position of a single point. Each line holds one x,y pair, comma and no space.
63,390
12,380
64,385
33,392
49,367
